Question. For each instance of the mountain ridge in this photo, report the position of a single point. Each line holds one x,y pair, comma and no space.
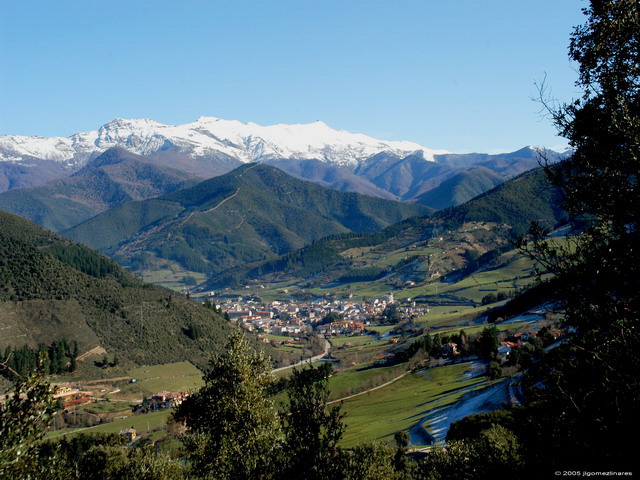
209,136
249,214
114,177
501,214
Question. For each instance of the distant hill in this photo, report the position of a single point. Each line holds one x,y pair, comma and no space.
52,288
336,177
30,172
512,205
117,176
460,188
524,199
449,179
250,214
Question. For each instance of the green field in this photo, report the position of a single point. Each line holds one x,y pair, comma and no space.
170,377
172,277
378,415
143,423
355,381
350,341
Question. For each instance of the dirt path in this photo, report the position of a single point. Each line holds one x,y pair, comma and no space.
327,347
371,389
94,351
213,208
84,383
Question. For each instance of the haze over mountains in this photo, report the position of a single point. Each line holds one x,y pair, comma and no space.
114,177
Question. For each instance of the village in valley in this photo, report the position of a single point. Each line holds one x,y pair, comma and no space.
324,316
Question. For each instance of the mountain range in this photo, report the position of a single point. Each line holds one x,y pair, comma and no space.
488,222
211,146
117,176
250,214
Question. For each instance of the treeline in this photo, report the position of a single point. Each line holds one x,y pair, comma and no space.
525,299
366,274
55,358
84,259
307,261
484,344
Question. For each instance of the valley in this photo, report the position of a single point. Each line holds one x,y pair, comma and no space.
231,300
388,292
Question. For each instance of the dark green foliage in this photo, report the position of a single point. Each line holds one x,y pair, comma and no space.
370,461
531,297
493,298
493,453
526,198
193,331
84,260
54,359
331,317
367,274
104,456
488,342
429,345
23,417
49,298
312,431
390,314
493,370
232,428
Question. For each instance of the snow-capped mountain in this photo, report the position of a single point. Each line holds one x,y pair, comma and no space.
209,136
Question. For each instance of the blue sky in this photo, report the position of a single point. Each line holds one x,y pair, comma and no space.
457,75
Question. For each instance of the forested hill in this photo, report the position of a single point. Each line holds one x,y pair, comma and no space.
250,214
512,205
51,288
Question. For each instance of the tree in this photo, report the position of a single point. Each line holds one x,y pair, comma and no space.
312,431
402,440
488,342
232,428
24,415
592,382
370,461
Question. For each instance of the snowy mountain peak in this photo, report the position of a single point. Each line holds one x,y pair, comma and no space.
210,137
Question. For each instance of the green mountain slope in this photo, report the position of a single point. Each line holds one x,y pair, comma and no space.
500,214
461,188
248,215
115,177
51,288
524,199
